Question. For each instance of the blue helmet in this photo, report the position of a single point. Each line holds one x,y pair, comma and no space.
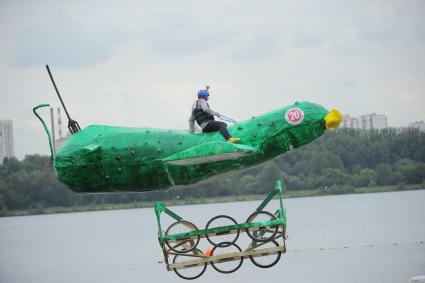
203,93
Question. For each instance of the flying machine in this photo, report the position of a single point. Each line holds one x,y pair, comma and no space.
105,158
102,158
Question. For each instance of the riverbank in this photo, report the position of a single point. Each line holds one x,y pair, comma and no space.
189,201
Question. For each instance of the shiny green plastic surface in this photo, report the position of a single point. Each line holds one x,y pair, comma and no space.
106,158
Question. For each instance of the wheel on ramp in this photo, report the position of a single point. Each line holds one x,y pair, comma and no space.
266,260
222,238
194,271
182,245
228,265
264,233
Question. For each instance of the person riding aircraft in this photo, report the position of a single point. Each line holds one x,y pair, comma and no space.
204,117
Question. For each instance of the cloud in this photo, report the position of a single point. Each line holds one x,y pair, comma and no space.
396,21
349,83
255,45
70,46
139,63
180,35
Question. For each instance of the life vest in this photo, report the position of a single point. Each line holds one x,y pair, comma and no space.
201,116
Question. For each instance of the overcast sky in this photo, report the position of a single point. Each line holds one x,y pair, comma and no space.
140,63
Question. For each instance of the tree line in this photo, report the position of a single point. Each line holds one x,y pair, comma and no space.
336,163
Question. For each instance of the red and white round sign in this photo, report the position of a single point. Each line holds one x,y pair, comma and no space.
294,116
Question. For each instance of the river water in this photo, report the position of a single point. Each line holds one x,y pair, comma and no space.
381,233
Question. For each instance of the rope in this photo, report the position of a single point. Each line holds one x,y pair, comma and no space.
227,119
350,247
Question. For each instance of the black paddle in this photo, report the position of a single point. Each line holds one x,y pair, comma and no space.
72,124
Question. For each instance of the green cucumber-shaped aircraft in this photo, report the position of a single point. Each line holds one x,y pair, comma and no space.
106,158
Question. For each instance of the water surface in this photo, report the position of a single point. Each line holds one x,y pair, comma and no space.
382,232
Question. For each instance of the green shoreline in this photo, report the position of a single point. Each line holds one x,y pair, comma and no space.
189,201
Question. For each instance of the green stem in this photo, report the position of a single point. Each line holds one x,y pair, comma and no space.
45,127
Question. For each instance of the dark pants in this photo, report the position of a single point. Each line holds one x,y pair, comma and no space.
214,126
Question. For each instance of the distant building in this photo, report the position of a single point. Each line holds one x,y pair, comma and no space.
59,142
350,122
346,121
365,122
420,125
6,140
